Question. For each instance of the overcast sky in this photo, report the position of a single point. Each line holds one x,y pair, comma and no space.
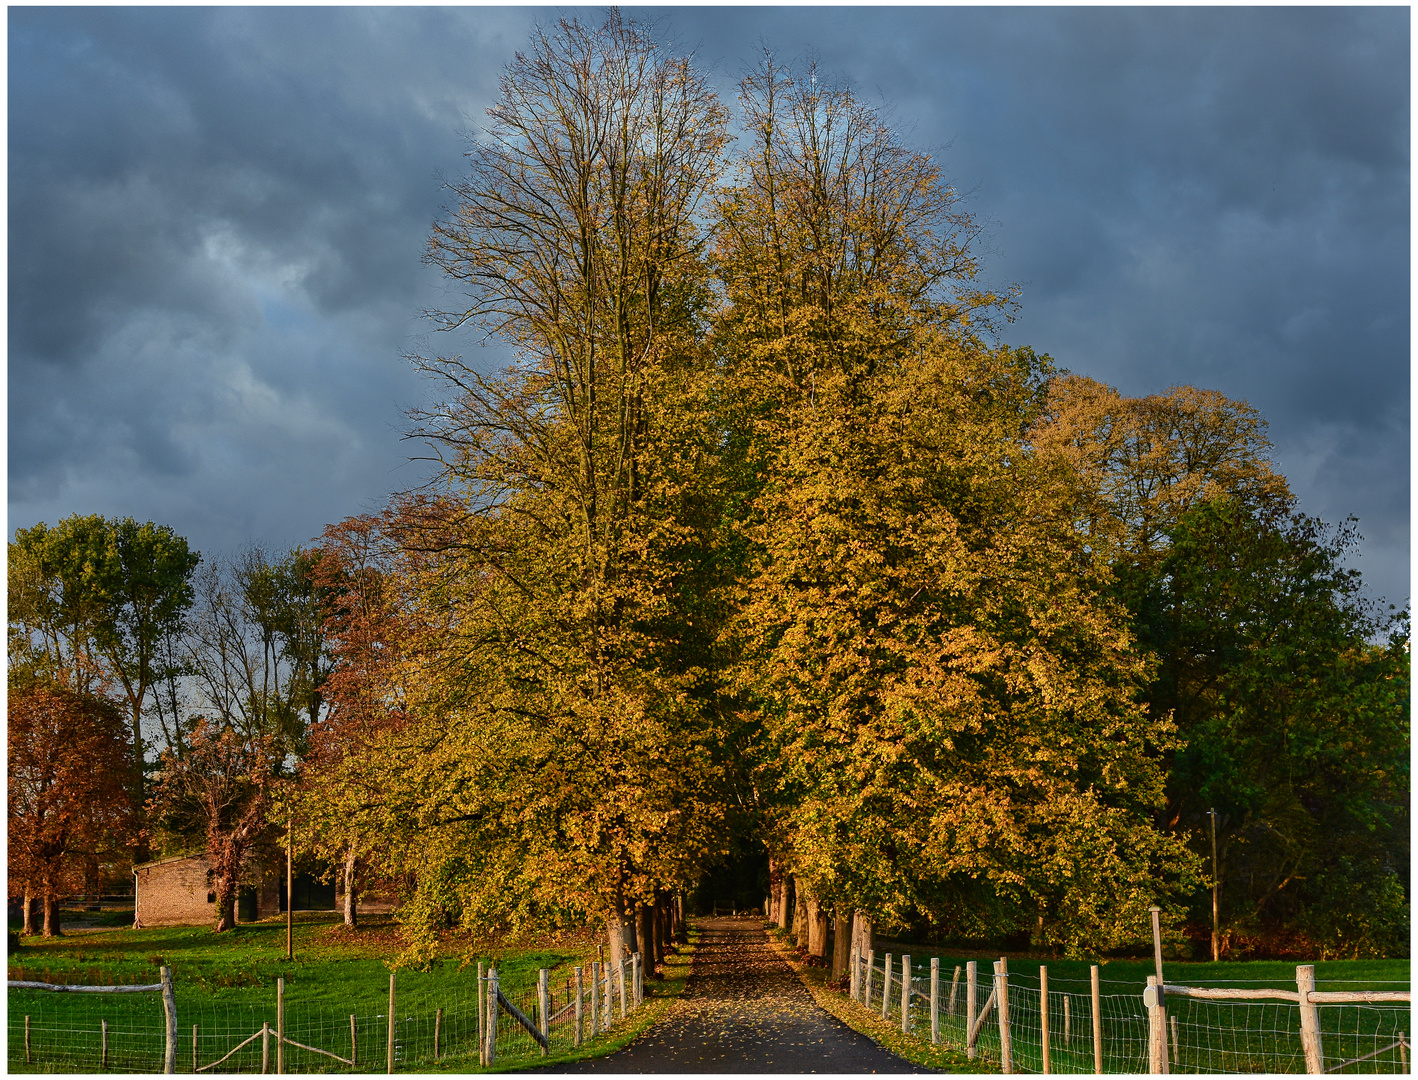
217,215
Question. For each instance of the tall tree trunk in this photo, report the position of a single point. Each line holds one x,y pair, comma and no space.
863,933
799,915
620,935
841,946
785,907
644,939
775,892
31,910
51,914
681,927
816,929
351,900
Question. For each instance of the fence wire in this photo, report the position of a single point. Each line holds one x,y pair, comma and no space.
65,1032
1202,1036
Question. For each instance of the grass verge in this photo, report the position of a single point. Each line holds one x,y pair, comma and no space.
885,1034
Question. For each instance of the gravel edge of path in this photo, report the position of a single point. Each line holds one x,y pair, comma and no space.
885,1034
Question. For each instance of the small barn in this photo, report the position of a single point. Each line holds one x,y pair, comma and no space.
181,891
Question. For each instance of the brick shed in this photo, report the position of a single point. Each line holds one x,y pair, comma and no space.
179,891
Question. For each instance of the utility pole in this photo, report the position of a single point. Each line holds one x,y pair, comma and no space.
290,893
1215,894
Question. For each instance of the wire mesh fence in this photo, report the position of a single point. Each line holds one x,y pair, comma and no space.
1048,1024
90,1033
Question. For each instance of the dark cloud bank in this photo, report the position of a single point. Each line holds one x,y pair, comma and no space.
216,219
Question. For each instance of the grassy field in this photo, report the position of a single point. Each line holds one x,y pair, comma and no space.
225,985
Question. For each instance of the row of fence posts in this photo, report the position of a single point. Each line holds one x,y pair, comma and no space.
607,984
997,1001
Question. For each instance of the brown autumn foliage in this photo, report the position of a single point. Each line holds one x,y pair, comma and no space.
70,789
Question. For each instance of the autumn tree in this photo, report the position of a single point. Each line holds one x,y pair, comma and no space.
218,784
94,599
69,797
575,474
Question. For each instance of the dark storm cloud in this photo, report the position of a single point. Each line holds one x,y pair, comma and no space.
216,218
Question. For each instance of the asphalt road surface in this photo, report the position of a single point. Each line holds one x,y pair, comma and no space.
745,1010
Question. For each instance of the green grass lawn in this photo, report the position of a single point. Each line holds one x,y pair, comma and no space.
226,986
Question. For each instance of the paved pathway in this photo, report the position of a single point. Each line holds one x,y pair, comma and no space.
745,1010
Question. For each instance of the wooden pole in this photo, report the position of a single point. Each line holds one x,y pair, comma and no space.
1176,1042
886,969
580,993
1068,1032
169,1008
437,1031
954,988
1097,1020
1161,997
482,1014
1155,1054
1006,1055
971,993
595,998
543,1006
856,976
103,1052
870,973
290,900
1215,895
935,1000
1309,1020
905,995
354,1044
29,1058
389,1040
490,1043
1044,1016
265,1048
620,986
280,1027
1402,1054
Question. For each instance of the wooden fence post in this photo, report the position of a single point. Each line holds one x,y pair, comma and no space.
620,986
595,998
1155,1051
389,1046
935,1000
1006,1055
194,1045
971,993
280,1027
29,1058
543,1006
354,1044
482,1015
437,1031
1309,1020
954,988
265,1048
580,991
490,1039
1044,1016
856,972
886,970
1068,1027
169,1008
905,995
871,972
1097,1020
